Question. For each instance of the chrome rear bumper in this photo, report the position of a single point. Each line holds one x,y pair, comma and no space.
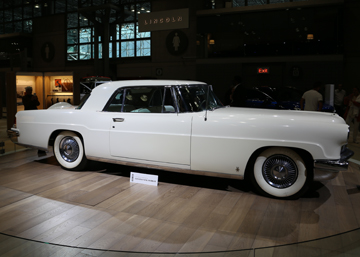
13,134
328,169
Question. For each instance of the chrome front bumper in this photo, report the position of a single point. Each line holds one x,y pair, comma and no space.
329,169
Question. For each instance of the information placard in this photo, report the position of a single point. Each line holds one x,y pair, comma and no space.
143,178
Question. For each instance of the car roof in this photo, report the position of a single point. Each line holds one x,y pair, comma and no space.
101,94
149,82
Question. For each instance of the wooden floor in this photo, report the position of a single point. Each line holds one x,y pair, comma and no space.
101,209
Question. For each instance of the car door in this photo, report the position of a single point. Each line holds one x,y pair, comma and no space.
146,127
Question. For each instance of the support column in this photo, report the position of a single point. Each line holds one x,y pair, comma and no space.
351,44
10,98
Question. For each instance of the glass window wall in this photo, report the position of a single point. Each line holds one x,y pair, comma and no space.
125,40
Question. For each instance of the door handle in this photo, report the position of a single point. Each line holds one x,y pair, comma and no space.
118,119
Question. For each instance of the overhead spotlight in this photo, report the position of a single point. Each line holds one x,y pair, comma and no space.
147,10
37,6
142,9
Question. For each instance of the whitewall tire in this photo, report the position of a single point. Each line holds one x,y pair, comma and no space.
280,172
69,151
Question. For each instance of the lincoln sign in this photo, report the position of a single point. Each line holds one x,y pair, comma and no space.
172,19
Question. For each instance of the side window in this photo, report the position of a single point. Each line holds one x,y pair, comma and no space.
149,99
143,99
183,100
191,98
169,104
116,103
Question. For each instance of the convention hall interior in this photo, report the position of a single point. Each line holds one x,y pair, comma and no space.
60,48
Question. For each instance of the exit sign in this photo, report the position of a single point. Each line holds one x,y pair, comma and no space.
263,70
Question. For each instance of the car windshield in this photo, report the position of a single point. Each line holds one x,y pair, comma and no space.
193,98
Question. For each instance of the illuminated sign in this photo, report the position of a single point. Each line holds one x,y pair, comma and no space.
172,19
263,70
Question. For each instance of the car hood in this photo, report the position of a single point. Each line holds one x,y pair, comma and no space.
264,114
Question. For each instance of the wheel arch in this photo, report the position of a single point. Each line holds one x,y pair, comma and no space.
55,133
305,155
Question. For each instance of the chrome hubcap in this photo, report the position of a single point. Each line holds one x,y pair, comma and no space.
69,149
280,171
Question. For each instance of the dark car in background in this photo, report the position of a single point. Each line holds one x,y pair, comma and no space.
287,98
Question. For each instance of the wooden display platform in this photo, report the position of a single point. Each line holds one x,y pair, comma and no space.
101,209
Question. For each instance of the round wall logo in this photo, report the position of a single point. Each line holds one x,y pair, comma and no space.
296,72
47,52
177,42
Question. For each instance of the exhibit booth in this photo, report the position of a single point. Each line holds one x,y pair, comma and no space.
49,87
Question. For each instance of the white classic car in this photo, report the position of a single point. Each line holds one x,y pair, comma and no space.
182,126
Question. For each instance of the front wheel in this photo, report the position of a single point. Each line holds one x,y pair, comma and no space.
69,151
280,172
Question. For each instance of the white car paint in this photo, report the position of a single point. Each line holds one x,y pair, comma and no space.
221,144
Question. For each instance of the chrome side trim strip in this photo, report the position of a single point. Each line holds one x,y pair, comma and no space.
167,168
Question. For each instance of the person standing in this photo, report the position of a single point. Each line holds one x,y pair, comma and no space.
339,95
352,113
29,100
312,100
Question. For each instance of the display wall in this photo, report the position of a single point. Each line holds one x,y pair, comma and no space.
36,82
58,88
50,88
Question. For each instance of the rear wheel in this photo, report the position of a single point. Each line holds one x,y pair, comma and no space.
69,151
280,172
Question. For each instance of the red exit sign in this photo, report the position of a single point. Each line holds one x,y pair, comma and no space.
263,70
